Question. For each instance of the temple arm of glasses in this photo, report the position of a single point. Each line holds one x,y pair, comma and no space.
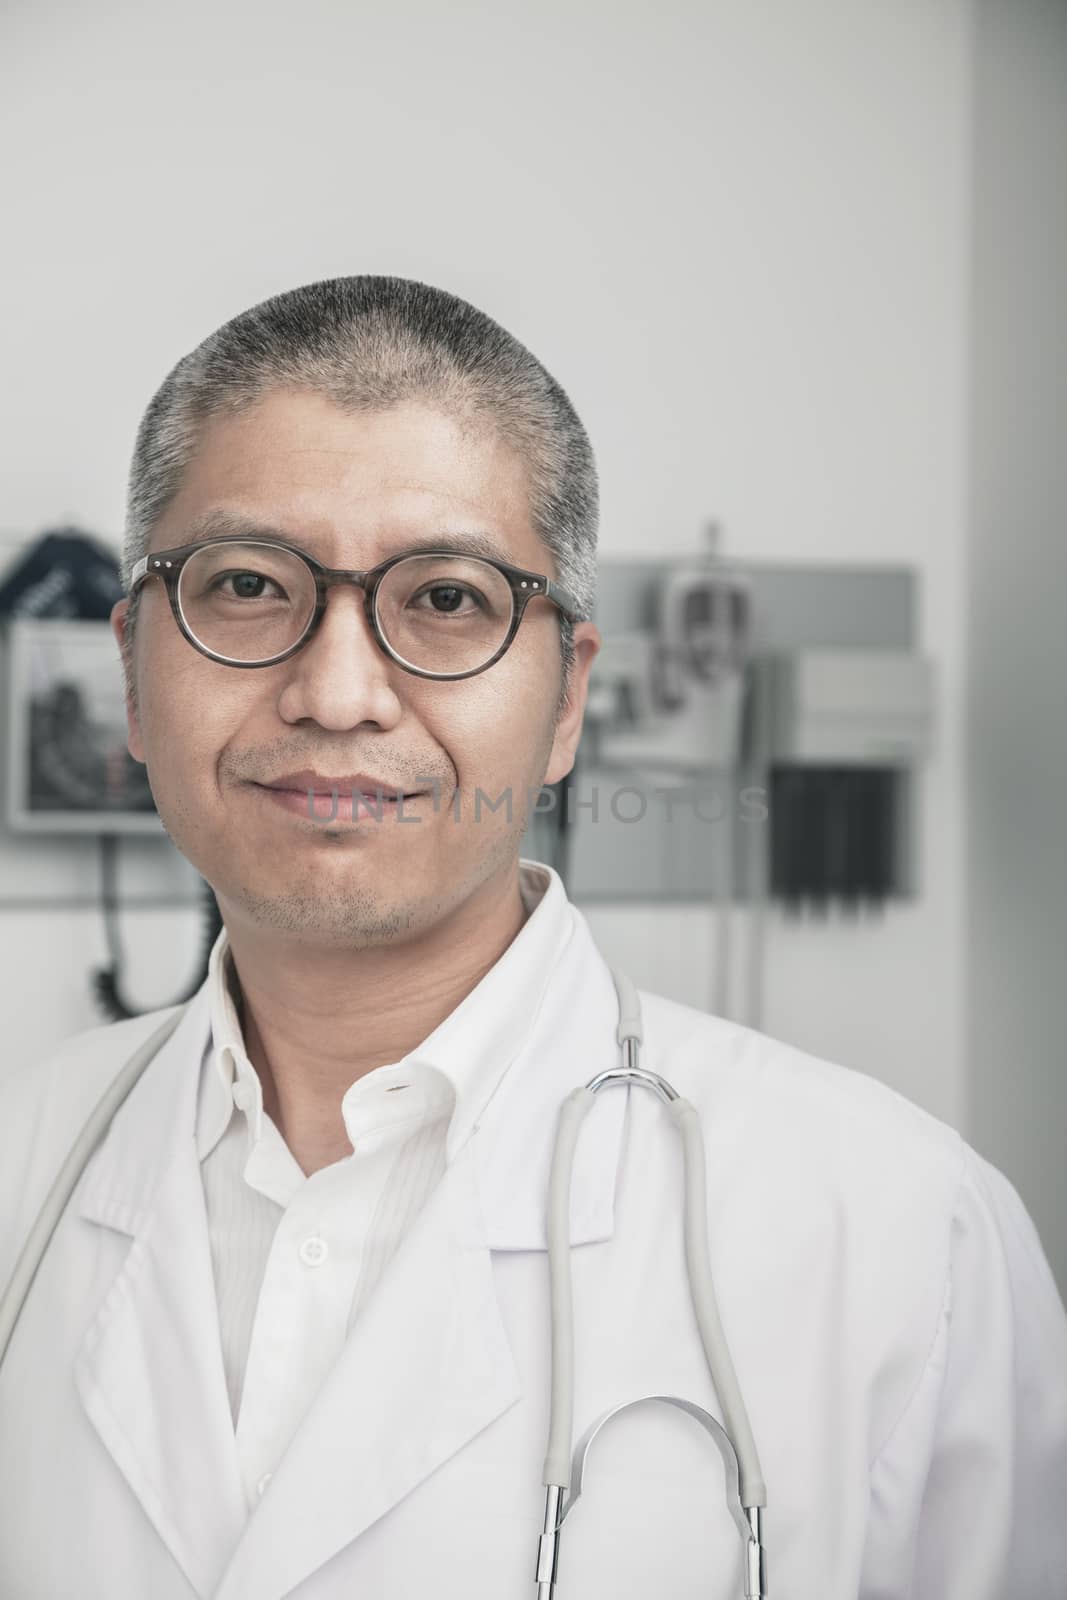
140,571
563,598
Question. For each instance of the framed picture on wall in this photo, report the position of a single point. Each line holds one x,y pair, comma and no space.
65,756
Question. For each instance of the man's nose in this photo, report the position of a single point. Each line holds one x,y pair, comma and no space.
341,677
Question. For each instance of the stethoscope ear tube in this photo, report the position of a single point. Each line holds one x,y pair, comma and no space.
629,1025
702,1289
572,1114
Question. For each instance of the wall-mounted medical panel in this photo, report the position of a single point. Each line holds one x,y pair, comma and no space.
751,729
856,707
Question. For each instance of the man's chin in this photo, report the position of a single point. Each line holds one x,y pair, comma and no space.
357,920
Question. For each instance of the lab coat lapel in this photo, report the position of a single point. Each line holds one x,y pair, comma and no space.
149,1370
426,1367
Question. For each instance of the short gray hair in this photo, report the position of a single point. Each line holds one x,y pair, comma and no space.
368,343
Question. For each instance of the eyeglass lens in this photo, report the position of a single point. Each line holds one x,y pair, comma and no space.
251,602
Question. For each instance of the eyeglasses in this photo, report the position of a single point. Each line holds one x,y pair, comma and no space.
436,613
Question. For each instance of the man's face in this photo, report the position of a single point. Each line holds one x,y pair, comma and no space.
350,490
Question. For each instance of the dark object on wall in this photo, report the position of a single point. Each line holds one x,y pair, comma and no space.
66,573
74,768
106,981
834,835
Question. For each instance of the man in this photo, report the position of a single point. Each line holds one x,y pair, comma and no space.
291,1336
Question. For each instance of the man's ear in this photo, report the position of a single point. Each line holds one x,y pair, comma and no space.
587,642
117,619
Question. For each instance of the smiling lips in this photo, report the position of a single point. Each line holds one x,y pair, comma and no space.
348,797
305,780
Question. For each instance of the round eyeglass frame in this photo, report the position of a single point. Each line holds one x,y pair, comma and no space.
525,586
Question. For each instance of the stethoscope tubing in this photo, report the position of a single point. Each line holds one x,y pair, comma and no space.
746,1483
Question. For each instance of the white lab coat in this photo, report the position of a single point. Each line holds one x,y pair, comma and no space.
895,1330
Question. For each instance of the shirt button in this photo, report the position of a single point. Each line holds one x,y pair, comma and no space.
263,1482
313,1251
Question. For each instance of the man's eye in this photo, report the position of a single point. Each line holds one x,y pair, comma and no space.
247,585
445,597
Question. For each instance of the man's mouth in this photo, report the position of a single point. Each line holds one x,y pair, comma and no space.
344,797
309,781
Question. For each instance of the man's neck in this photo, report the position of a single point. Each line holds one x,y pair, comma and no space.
314,1022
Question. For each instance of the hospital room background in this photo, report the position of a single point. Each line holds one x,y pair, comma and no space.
800,265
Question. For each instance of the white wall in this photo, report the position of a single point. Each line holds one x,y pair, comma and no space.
1017,661
736,232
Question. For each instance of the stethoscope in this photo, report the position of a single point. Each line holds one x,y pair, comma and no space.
746,1495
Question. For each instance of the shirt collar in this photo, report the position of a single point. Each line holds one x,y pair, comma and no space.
454,1072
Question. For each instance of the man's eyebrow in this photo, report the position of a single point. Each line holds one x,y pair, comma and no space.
221,524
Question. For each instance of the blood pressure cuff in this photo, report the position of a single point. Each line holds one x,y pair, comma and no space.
65,573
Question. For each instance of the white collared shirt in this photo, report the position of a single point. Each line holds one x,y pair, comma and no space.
295,1258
